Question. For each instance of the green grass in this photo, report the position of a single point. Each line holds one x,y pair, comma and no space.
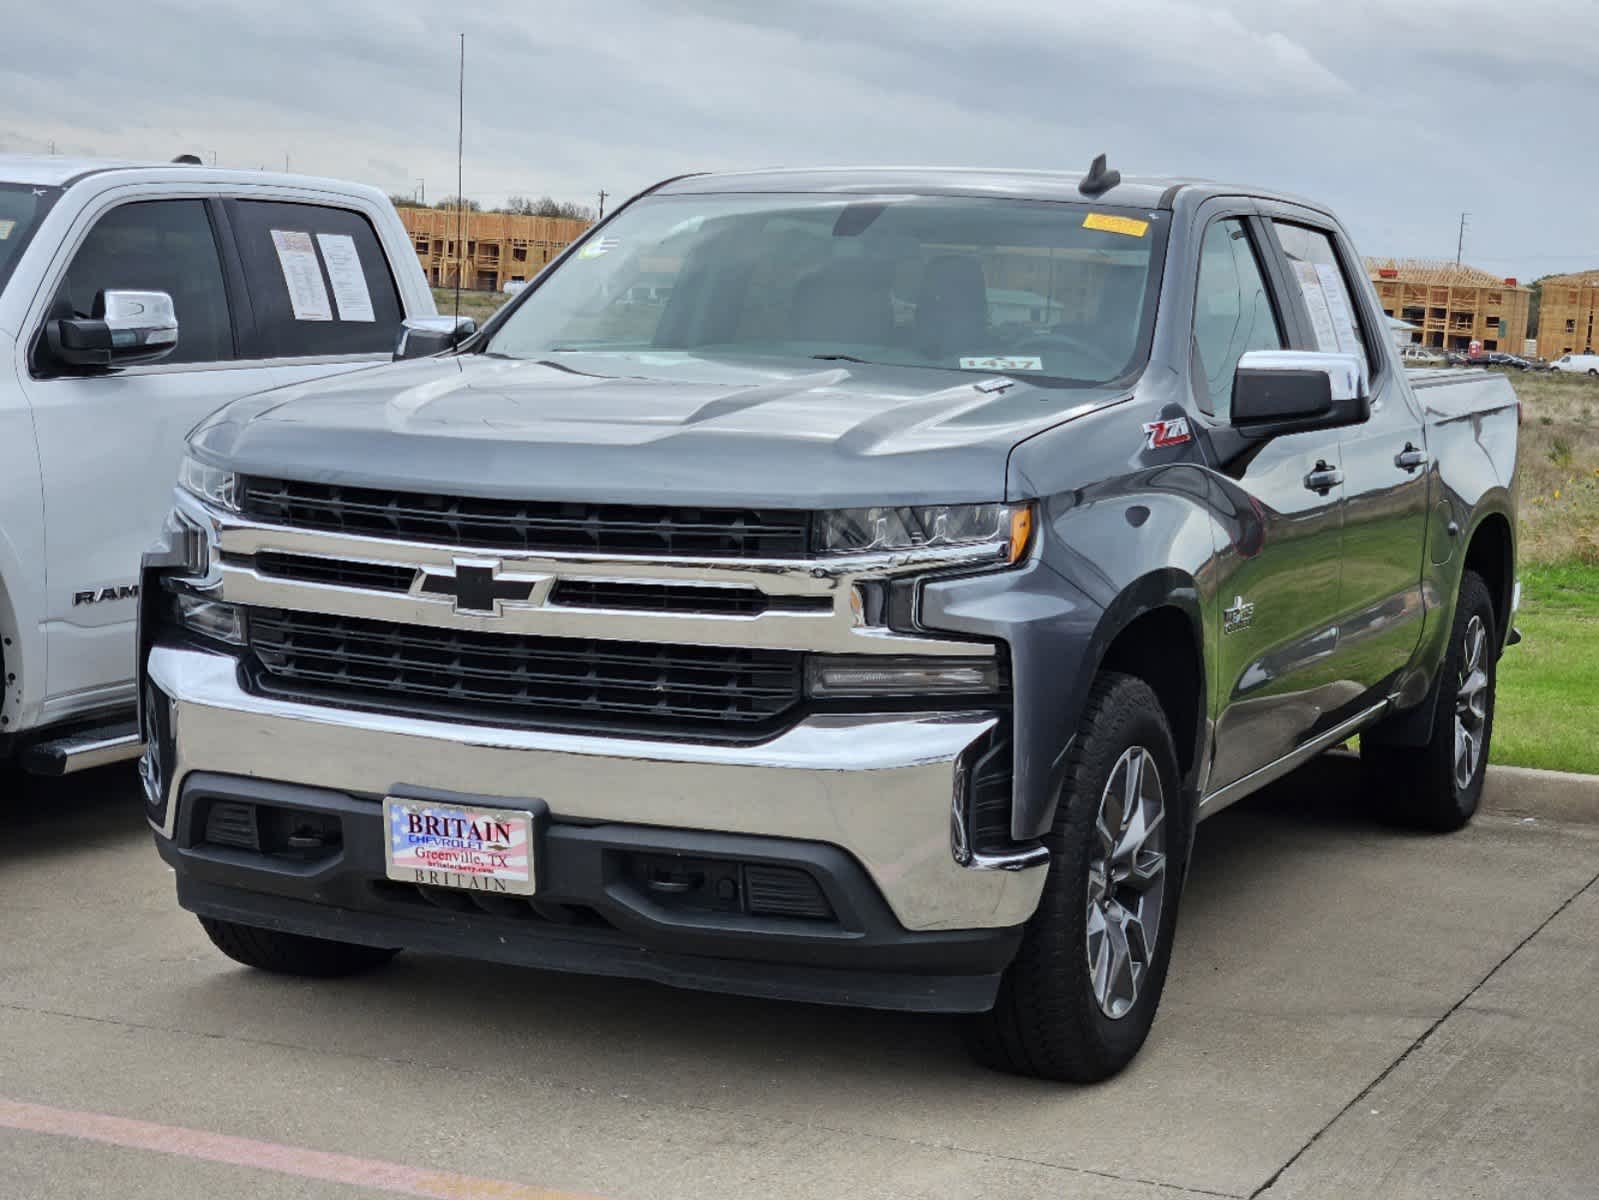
1546,713
480,306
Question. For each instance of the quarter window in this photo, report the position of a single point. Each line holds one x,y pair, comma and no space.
1233,312
157,246
318,279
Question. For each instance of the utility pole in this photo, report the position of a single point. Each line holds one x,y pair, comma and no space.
603,194
285,162
1460,242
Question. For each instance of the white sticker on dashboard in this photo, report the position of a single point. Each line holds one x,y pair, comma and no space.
349,281
302,275
1003,363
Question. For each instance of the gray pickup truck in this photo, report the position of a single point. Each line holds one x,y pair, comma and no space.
848,586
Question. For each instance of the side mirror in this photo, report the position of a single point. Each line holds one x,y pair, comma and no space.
1289,391
421,337
126,328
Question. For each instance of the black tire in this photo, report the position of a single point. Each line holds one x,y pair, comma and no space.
1046,1020
292,953
1417,786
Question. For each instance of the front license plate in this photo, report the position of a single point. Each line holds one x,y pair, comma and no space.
445,845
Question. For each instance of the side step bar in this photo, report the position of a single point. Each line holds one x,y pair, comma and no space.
85,749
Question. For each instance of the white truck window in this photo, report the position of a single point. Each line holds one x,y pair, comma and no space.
158,246
319,280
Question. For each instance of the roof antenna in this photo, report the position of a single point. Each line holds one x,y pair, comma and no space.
188,160
1098,181
460,200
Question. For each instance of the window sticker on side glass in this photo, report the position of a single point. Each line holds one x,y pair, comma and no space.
1343,317
5,229
1002,363
349,281
1321,318
302,275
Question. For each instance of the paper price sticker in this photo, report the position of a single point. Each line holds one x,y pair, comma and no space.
1109,223
5,229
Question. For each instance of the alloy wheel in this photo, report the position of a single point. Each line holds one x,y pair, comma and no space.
1126,881
1471,704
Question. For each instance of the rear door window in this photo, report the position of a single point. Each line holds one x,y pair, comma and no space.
156,246
318,279
1335,317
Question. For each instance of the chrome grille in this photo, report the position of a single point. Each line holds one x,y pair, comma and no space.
468,675
535,526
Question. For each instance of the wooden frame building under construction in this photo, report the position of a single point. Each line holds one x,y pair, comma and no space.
500,248
1568,315
1453,305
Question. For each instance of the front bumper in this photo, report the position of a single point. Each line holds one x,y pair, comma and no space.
874,789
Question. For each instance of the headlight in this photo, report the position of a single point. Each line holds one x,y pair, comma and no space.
1006,528
864,675
211,484
212,619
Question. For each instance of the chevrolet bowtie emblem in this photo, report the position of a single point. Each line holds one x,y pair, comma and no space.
482,586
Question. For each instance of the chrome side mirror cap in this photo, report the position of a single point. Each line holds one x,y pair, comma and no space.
1289,391
126,328
422,337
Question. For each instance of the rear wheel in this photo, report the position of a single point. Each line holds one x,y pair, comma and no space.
1438,786
291,953
1078,1000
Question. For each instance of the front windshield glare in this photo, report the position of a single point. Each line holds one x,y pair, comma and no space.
22,207
1059,292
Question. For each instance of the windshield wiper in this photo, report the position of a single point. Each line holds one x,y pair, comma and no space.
842,358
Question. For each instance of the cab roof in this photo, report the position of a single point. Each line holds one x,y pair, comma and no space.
1060,186
56,170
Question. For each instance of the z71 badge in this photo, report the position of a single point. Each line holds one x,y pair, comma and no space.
1160,434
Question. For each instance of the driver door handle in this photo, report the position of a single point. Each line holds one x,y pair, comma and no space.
1410,458
1324,478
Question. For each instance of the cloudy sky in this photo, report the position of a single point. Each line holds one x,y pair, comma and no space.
1399,115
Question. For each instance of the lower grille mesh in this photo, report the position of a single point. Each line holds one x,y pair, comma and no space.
469,675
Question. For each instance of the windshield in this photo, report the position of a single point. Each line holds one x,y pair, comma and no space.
22,207
1053,292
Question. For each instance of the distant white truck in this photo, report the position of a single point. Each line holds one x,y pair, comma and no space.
135,299
1577,364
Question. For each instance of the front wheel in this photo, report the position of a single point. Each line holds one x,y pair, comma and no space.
291,953
1078,1000
1438,786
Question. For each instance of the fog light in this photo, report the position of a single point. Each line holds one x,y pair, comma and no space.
210,618
829,678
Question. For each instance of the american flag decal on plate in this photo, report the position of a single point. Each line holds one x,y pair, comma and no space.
472,849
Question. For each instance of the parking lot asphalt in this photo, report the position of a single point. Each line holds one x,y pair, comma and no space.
1353,1011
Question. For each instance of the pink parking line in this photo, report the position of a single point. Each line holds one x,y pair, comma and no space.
200,1146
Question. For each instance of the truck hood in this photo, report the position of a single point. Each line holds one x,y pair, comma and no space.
696,432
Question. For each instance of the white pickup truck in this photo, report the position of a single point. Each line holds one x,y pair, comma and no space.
135,299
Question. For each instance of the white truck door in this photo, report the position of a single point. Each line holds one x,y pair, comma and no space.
109,443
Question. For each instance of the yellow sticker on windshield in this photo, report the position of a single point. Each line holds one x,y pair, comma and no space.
5,229
1131,226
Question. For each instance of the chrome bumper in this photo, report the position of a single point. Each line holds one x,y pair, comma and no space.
879,786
